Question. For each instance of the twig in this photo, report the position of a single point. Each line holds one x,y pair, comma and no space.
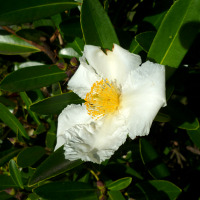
45,49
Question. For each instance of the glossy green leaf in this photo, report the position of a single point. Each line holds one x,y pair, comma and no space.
135,47
96,26
181,116
4,159
156,189
12,45
152,161
32,77
6,182
66,190
15,174
55,104
28,102
54,165
73,49
156,19
8,118
195,136
25,160
145,39
120,184
27,11
115,195
176,33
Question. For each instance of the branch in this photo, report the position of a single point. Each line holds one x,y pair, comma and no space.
45,48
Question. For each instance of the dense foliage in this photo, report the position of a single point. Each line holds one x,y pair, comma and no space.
40,45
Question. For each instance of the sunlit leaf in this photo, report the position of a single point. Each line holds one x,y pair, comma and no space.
32,77
176,33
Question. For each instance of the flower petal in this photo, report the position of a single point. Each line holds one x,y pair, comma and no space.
82,81
142,96
115,65
70,116
96,141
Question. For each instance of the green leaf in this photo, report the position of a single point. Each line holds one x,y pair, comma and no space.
181,116
27,11
145,39
120,184
54,165
66,190
12,45
15,174
115,195
152,161
6,182
161,117
135,47
6,196
96,25
176,33
195,136
32,77
28,102
4,159
156,189
55,104
9,119
73,49
71,28
25,160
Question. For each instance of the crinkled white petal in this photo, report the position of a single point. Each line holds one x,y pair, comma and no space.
96,141
142,96
114,65
82,81
69,117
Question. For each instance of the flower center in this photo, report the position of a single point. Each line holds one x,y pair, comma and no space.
102,99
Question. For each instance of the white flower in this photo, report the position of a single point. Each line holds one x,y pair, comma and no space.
122,98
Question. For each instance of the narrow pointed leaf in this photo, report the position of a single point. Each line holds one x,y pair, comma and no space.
28,11
32,77
12,45
15,174
54,165
8,118
96,26
54,105
176,33
120,184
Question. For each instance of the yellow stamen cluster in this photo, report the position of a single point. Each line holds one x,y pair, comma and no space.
103,99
